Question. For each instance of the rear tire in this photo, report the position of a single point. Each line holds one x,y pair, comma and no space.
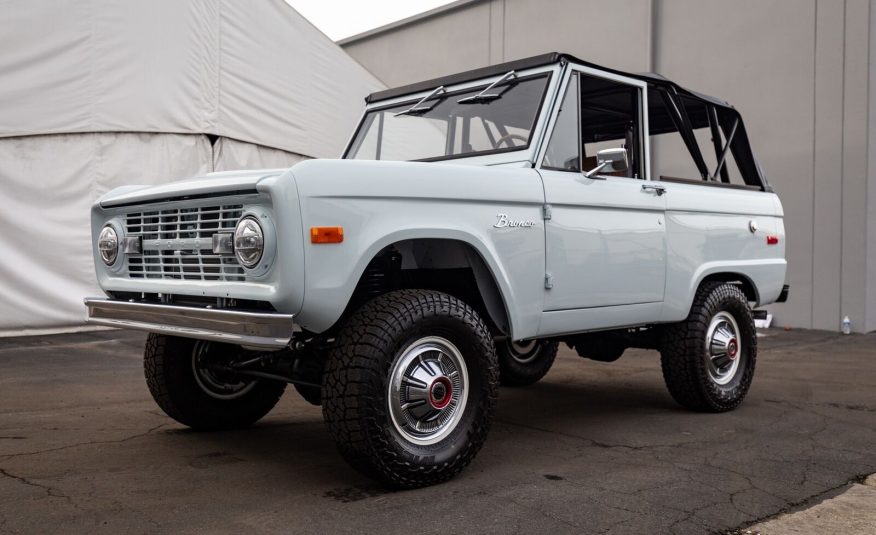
410,387
186,390
524,363
708,360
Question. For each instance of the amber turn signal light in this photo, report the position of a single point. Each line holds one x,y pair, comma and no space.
326,234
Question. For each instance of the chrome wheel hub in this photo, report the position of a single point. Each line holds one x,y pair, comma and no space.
723,351
216,384
428,390
524,351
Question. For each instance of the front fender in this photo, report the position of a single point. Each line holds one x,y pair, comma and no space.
390,204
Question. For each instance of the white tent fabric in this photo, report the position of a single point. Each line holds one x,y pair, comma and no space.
100,93
230,154
48,185
252,70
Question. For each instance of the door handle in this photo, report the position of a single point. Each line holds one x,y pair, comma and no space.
656,188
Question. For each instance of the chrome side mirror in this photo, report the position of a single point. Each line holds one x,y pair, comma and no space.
609,161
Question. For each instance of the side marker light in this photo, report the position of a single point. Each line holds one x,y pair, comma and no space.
326,234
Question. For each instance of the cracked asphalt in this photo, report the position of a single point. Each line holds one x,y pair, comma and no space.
593,448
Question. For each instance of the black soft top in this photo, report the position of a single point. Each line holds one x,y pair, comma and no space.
527,63
690,110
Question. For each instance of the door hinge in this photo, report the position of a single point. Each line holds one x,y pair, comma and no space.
548,281
546,212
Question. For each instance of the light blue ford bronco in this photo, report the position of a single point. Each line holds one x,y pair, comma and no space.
474,222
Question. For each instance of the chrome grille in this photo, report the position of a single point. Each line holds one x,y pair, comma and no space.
178,243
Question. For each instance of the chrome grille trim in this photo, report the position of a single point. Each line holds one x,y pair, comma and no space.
178,243
178,223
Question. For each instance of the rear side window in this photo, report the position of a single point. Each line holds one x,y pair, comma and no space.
670,157
693,139
711,140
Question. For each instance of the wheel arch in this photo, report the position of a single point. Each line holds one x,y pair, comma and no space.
442,249
742,281
426,253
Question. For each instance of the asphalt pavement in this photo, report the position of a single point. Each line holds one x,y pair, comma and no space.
593,448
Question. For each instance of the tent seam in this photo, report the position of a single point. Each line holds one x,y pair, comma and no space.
218,115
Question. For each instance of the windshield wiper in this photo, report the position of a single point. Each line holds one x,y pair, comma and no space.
484,96
416,109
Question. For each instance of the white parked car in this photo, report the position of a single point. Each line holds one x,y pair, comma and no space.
474,222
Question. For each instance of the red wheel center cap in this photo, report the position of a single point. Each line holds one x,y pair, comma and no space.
732,349
440,392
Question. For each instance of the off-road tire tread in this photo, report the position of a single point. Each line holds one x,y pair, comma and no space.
167,365
356,370
681,355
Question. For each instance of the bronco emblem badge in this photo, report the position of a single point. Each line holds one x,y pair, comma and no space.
502,221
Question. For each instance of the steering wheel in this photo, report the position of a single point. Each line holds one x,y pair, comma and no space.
507,139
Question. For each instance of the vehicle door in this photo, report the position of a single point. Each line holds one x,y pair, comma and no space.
605,234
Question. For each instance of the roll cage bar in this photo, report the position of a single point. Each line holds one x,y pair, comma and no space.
682,122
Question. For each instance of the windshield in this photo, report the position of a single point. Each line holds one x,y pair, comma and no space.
443,127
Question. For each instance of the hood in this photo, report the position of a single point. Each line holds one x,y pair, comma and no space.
209,184
354,180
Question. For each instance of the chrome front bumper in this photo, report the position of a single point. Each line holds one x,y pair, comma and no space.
258,329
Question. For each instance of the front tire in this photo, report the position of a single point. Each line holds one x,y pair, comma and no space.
184,381
524,363
410,387
708,360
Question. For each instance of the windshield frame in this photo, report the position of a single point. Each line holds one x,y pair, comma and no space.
472,86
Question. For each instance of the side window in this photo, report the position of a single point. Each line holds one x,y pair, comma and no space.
610,120
711,139
562,153
595,114
712,128
669,155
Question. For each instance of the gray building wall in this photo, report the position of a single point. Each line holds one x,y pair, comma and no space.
798,70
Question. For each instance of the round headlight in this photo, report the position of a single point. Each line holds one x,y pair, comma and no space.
249,242
108,245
